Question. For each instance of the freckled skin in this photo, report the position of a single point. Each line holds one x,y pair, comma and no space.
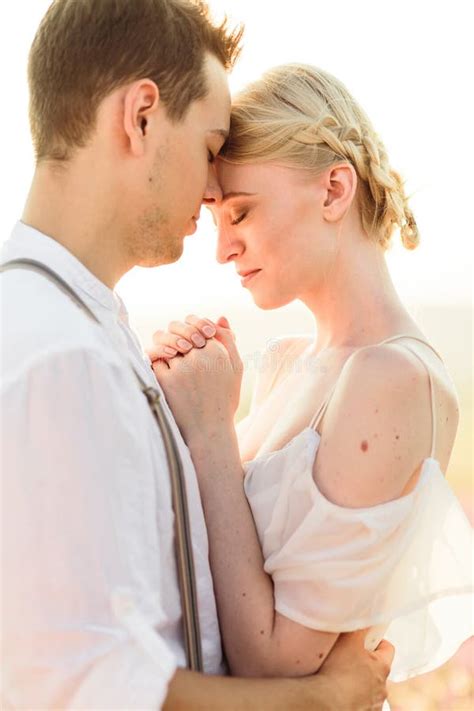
364,445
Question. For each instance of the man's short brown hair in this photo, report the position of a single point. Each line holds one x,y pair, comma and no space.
85,49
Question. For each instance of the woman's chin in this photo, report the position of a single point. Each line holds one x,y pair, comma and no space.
268,302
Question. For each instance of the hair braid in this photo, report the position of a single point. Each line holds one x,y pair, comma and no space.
308,119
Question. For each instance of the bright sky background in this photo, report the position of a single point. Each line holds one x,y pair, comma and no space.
407,64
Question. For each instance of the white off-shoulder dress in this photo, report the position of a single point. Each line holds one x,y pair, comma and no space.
403,569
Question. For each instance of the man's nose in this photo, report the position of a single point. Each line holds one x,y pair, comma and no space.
213,192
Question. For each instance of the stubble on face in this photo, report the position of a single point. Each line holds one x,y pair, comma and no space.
154,241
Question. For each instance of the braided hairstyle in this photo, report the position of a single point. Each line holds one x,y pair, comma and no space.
302,117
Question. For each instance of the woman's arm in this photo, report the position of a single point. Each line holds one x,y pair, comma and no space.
258,641
203,392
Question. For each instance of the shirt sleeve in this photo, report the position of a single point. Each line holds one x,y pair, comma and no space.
80,553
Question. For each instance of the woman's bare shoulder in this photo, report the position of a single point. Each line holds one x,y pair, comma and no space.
377,428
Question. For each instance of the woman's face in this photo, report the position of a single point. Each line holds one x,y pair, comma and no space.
270,225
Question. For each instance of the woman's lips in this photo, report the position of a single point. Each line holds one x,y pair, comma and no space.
248,276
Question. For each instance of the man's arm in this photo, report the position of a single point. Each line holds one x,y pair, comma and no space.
78,524
352,679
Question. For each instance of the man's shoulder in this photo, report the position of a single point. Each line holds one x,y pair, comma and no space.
38,320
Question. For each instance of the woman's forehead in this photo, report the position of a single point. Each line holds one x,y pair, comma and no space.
252,177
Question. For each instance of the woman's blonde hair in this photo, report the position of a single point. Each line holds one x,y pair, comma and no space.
302,117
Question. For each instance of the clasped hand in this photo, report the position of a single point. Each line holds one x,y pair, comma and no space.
199,368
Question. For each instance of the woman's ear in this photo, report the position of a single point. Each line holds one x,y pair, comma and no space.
140,105
340,185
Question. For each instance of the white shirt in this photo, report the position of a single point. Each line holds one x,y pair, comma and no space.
90,606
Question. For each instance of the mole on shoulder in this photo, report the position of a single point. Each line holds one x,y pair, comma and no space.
364,445
244,594
262,632
321,655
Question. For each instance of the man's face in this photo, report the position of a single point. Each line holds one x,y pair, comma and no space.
182,174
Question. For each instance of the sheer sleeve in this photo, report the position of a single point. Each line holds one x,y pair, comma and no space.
403,569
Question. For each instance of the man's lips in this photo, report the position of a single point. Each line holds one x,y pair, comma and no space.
194,221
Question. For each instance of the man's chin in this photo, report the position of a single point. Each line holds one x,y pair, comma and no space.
169,256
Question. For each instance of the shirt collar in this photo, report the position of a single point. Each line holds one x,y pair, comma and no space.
28,242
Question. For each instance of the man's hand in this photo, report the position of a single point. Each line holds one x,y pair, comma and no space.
358,677
352,679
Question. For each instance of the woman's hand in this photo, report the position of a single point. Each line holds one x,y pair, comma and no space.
183,336
203,387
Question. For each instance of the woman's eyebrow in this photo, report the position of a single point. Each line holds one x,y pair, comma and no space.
229,196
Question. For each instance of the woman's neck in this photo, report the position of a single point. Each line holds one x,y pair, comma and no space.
357,304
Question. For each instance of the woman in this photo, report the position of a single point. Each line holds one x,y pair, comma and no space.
351,524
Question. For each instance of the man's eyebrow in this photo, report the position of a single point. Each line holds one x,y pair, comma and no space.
231,195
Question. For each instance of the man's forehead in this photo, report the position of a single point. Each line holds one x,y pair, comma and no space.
217,101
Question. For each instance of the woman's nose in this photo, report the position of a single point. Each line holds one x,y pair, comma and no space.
227,249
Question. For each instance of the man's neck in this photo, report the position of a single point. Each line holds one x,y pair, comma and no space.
63,206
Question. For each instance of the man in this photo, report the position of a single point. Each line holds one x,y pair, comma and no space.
129,105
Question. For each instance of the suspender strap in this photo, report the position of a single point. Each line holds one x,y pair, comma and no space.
183,544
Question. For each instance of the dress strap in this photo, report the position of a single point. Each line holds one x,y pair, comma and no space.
315,421
322,409
414,338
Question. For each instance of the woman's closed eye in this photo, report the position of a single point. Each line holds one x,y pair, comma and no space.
237,220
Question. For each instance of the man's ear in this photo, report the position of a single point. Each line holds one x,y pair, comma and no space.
340,185
140,105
